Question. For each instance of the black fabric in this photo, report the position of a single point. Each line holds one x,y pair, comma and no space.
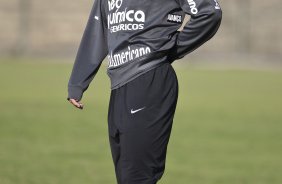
140,119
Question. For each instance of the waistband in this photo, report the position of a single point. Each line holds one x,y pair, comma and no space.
122,74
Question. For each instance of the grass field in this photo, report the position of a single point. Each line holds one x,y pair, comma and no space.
227,128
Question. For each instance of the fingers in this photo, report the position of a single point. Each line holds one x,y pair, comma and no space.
76,104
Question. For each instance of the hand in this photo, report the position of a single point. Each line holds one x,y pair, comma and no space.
76,103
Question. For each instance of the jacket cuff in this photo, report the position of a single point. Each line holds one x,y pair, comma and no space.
75,92
175,50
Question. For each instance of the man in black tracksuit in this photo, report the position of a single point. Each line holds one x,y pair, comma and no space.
141,41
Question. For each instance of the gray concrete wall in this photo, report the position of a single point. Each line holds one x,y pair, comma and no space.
54,28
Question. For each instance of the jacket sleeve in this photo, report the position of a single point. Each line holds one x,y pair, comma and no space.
205,20
92,51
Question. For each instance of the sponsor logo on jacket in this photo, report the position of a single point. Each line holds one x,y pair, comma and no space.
174,18
126,19
193,7
116,59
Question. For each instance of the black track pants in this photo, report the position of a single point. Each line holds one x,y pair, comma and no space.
140,120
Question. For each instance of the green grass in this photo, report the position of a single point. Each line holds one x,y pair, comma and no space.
227,127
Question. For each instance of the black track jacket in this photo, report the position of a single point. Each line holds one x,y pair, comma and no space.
139,35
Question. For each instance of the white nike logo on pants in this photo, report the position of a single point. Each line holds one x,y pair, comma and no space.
137,110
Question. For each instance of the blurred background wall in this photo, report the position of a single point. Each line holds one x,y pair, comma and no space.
251,30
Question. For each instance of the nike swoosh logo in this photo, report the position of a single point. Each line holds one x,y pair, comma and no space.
137,110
